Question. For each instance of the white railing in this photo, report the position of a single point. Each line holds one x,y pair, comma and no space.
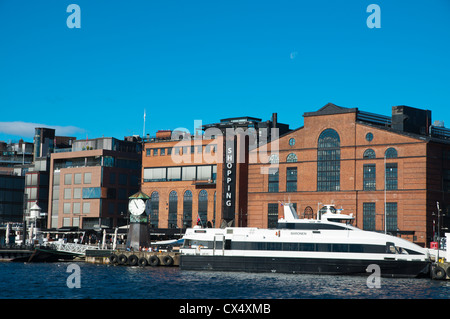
71,247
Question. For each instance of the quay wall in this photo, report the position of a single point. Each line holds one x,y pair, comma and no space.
133,258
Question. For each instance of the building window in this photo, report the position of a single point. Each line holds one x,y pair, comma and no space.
369,153
369,177
273,180
66,207
77,193
369,137
291,158
391,153
86,208
91,192
66,222
369,216
67,193
274,159
391,176
391,217
291,179
67,179
173,209
187,209
148,151
87,178
203,207
174,173
188,173
272,215
328,161
155,152
446,180
76,208
154,210
77,178
292,141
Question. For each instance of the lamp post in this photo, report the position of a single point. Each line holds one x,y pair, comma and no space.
385,226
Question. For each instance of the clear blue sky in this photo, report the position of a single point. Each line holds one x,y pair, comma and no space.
185,60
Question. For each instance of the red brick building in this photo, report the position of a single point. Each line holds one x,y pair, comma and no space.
370,165
197,178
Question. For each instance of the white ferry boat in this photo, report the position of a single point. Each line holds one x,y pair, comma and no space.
328,244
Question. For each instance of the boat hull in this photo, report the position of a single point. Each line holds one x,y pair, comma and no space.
50,255
388,268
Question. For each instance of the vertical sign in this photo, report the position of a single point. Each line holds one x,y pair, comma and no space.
229,178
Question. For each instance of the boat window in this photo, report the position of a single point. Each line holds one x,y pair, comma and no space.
390,248
190,243
219,244
311,226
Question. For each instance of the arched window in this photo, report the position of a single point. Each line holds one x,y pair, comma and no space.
291,158
187,209
391,153
369,153
202,208
154,210
328,161
274,159
173,211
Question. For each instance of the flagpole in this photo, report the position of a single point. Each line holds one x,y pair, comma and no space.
143,132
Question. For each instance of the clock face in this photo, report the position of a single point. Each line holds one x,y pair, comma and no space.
136,206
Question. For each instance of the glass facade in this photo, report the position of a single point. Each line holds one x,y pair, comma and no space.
173,209
203,207
391,176
154,210
328,161
180,173
187,209
391,217
273,180
291,179
369,216
369,177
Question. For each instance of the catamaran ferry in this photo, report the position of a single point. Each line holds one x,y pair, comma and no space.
328,244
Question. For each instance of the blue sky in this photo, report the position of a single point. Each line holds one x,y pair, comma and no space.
185,60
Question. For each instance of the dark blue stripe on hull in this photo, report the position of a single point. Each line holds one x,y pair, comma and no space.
303,265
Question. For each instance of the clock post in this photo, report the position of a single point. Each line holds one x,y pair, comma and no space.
138,232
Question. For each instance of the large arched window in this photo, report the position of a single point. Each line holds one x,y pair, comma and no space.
328,161
202,208
154,210
173,204
187,209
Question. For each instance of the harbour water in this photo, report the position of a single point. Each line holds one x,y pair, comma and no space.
94,281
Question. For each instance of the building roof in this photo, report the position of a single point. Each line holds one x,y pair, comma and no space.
140,195
330,109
